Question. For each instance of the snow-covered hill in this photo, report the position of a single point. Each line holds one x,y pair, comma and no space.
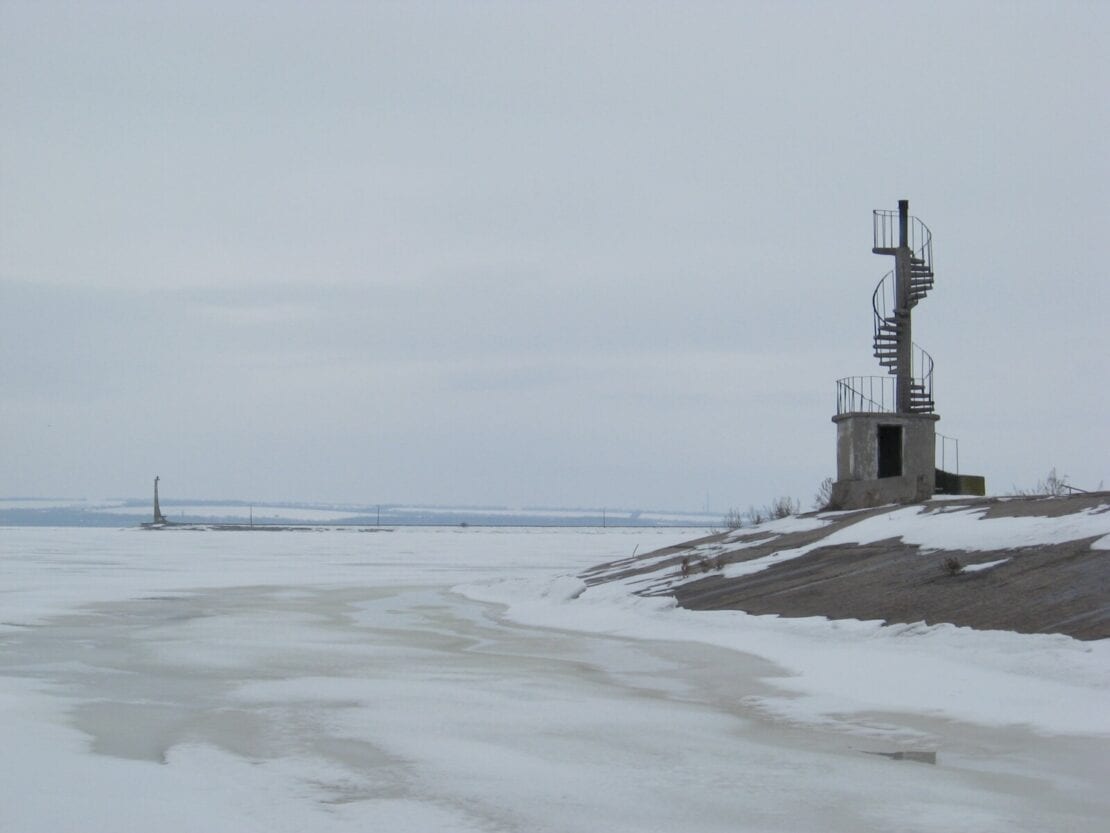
1034,565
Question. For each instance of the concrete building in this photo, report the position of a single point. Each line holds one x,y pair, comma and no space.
886,425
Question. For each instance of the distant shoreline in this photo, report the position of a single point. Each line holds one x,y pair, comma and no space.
235,514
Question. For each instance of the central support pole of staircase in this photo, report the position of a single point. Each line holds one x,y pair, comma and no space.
904,379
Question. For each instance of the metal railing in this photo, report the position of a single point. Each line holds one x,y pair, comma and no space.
879,394
884,300
866,395
942,449
885,229
886,234
1074,490
921,371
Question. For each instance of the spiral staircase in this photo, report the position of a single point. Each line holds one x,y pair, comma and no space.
899,291
908,386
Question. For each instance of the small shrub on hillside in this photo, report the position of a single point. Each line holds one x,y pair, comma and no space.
1052,485
733,519
952,566
709,565
784,507
823,497
780,508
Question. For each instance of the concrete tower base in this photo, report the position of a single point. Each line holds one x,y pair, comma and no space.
884,458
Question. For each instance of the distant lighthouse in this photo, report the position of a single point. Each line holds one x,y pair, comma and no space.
159,518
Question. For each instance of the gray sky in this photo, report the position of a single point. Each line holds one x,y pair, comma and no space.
517,253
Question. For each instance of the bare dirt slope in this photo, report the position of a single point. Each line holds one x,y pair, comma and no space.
1062,587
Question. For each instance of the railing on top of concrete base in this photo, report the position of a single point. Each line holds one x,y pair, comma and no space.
866,395
872,394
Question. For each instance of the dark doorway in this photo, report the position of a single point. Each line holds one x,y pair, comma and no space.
890,451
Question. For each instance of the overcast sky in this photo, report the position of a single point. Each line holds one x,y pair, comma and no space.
562,254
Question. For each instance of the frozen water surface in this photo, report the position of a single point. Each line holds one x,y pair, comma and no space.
461,680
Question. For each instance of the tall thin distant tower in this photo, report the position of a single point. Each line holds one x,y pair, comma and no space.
159,518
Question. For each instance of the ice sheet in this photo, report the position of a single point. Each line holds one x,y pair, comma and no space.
335,681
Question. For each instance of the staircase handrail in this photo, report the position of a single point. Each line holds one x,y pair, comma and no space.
922,361
880,295
921,370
